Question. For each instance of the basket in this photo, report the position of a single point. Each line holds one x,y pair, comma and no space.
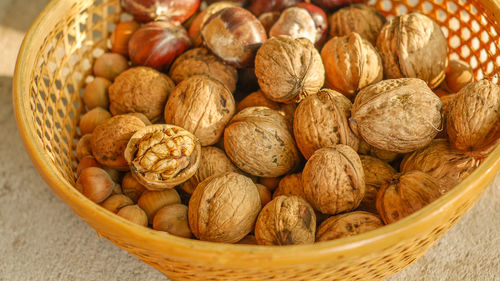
54,61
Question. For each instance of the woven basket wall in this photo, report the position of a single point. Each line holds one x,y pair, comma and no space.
54,63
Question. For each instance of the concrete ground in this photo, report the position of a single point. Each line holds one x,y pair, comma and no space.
42,239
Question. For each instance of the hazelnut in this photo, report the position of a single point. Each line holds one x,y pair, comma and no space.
413,45
152,201
95,184
163,156
334,180
213,161
259,99
96,93
200,61
116,202
110,65
264,194
321,120
248,240
174,220
360,18
473,122
273,152
286,220
268,19
84,146
297,23
346,225
134,214
405,194
377,172
224,208
140,89
110,139
201,19
458,75
121,36
270,183
201,105
351,63
258,7
289,69
90,120
131,187
397,115
113,173
160,10
85,162
290,185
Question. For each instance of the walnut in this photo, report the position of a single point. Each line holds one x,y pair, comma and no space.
201,105
248,240
289,69
346,225
360,18
259,99
397,115
351,63
200,61
163,156
224,208
413,45
446,164
474,118
334,180
258,142
321,120
458,75
286,220
405,194
377,172
140,89
110,139
296,22
386,156
290,185
213,162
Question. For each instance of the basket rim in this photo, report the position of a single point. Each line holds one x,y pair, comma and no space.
225,253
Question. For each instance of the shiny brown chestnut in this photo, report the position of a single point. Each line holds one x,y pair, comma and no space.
321,21
157,44
258,7
164,10
333,4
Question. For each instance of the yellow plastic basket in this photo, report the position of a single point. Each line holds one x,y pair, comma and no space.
57,55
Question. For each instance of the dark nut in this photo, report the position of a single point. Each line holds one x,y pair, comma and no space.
346,225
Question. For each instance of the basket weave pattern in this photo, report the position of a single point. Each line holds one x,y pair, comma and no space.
61,67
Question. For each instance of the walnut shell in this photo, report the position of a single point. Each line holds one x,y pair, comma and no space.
334,180
290,185
289,69
259,99
201,105
140,89
321,120
474,118
351,63
163,156
397,115
458,75
413,45
360,18
386,156
405,194
213,162
224,208
346,225
258,142
110,139
286,220
446,164
377,172
200,61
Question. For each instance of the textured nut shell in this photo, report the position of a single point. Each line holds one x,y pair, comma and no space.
201,105
397,115
290,185
174,220
377,172
258,142
351,63
447,101
286,220
131,187
152,201
334,180
446,164
259,99
406,193
321,120
224,208
346,225
360,18
264,194
213,162
110,139
185,174
140,89
116,202
474,118
289,69
295,22
413,45
458,75
200,61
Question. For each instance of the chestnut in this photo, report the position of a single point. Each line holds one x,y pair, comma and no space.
258,7
157,44
121,35
164,10
320,20
333,4
296,22
234,35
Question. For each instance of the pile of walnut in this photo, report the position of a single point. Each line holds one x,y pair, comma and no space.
270,130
